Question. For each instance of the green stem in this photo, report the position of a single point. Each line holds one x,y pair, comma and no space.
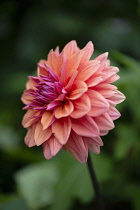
95,184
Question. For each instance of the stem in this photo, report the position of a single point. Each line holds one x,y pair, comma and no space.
95,184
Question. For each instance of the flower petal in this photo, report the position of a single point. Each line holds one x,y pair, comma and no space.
113,113
56,50
46,119
103,61
99,104
117,98
92,144
41,70
41,135
61,129
26,98
51,147
78,156
94,140
95,79
73,62
102,57
64,109
106,90
98,140
78,89
30,84
94,148
62,78
86,73
51,72
88,51
29,138
70,49
105,86
103,133
53,104
52,59
85,126
71,79
104,122
110,77
60,61
27,120
81,106
77,147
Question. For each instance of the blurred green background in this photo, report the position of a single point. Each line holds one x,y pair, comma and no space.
28,30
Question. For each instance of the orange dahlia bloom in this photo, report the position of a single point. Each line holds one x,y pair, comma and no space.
71,103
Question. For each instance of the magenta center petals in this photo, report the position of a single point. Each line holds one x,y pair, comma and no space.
48,93
71,102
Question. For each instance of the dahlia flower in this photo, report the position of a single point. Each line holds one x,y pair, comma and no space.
71,102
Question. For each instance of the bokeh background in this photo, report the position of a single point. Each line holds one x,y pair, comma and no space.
28,30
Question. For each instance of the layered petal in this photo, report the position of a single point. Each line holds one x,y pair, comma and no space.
46,119
52,59
56,61
92,144
29,138
41,135
77,90
85,126
94,148
93,140
99,104
61,129
59,62
30,84
41,70
77,147
117,97
113,113
81,106
106,90
104,122
73,62
30,118
71,76
95,79
105,86
57,50
70,49
110,77
88,51
51,147
88,71
26,98
64,110
102,58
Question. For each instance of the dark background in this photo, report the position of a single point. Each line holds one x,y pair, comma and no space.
28,30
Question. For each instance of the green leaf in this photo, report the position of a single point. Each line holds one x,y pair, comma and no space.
76,183
36,184
103,166
133,191
13,204
8,138
127,61
127,139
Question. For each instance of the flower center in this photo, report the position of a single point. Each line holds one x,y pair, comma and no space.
48,93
